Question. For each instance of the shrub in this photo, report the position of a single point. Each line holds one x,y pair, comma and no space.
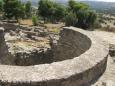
97,25
51,11
80,15
35,20
71,19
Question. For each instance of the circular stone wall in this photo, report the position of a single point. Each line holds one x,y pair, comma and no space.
71,44
84,60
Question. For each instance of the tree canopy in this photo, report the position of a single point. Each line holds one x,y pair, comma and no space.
28,9
1,6
84,15
51,11
13,9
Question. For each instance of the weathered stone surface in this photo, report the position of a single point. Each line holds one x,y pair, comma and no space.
34,57
8,26
71,44
109,37
5,56
79,70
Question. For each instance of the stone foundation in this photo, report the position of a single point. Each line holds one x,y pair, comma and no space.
34,57
83,60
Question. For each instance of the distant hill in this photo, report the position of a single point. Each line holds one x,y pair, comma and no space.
35,2
105,7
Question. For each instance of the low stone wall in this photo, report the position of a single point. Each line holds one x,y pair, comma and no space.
5,56
78,70
8,26
34,57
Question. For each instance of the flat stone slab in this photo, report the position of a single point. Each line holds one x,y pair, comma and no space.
71,72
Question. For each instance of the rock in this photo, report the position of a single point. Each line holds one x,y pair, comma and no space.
22,35
12,33
109,83
103,84
112,50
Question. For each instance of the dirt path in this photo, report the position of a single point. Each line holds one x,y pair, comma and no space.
107,36
108,78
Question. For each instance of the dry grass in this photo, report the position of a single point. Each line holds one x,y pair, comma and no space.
108,24
50,27
24,43
54,27
26,22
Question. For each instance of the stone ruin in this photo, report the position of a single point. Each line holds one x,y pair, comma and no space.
78,60
23,44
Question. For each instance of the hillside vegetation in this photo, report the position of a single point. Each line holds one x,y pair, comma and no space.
74,14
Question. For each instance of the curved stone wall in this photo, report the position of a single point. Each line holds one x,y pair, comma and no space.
80,69
71,44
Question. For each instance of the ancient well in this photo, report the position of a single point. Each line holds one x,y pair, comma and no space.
79,59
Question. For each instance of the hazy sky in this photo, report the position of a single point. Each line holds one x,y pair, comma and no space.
101,0
81,0
96,0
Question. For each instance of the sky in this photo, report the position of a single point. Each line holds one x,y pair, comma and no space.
101,0
82,0
95,0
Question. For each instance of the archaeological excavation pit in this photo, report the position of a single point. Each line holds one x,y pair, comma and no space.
78,59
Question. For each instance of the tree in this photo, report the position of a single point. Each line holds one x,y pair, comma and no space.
28,9
71,4
85,17
1,6
74,6
59,13
21,13
13,9
92,17
45,8
51,11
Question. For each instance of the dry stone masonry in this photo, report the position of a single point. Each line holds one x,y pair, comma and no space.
80,58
